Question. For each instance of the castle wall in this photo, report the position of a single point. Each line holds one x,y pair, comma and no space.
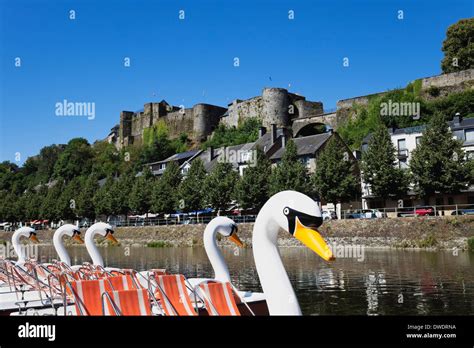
239,110
179,122
447,80
306,108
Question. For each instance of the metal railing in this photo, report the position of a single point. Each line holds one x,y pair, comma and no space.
415,211
434,211
186,220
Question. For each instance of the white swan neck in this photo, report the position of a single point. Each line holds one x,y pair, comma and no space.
221,271
17,247
92,248
280,296
60,248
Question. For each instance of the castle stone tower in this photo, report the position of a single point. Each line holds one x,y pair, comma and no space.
275,107
205,118
125,129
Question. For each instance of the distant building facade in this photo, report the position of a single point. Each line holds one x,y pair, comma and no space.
405,141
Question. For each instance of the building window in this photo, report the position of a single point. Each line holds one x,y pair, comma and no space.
470,135
402,147
418,140
402,163
306,160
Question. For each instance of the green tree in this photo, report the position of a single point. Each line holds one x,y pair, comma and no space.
156,144
140,195
220,185
8,208
103,198
47,159
378,166
253,189
106,160
8,171
458,47
290,173
470,170
85,207
438,163
49,206
67,203
75,160
335,177
191,189
245,132
119,193
32,201
165,190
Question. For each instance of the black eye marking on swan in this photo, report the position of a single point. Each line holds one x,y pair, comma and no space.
307,220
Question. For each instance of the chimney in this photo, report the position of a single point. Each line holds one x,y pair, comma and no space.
457,119
261,131
211,153
274,133
283,141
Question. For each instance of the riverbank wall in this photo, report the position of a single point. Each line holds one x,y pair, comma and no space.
421,232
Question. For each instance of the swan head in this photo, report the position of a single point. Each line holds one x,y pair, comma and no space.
103,229
71,231
27,232
228,228
301,216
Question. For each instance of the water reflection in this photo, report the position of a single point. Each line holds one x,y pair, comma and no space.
387,282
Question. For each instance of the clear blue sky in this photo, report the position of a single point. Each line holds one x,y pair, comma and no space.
190,61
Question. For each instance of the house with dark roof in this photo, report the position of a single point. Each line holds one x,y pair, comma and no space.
244,155
182,159
309,147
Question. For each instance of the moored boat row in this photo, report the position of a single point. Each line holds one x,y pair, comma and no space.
59,288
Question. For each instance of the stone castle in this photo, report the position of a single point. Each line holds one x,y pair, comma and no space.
275,106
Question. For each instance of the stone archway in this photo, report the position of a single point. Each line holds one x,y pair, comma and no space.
309,125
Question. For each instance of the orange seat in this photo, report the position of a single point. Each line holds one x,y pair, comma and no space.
123,282
155,272
174,296
219,298
127,302
88,293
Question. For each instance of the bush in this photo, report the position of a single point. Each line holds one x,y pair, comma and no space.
429,242
433,91
246,132
470,244
158,244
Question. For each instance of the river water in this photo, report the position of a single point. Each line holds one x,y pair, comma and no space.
385,282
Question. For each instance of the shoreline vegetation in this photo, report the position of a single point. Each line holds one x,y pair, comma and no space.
448,233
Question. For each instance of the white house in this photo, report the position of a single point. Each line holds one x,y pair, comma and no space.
405,141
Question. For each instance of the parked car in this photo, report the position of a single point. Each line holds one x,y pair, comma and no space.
464,211
416,211
329,215
84,223
361,214
6,226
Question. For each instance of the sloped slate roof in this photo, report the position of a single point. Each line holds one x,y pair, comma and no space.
305,145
